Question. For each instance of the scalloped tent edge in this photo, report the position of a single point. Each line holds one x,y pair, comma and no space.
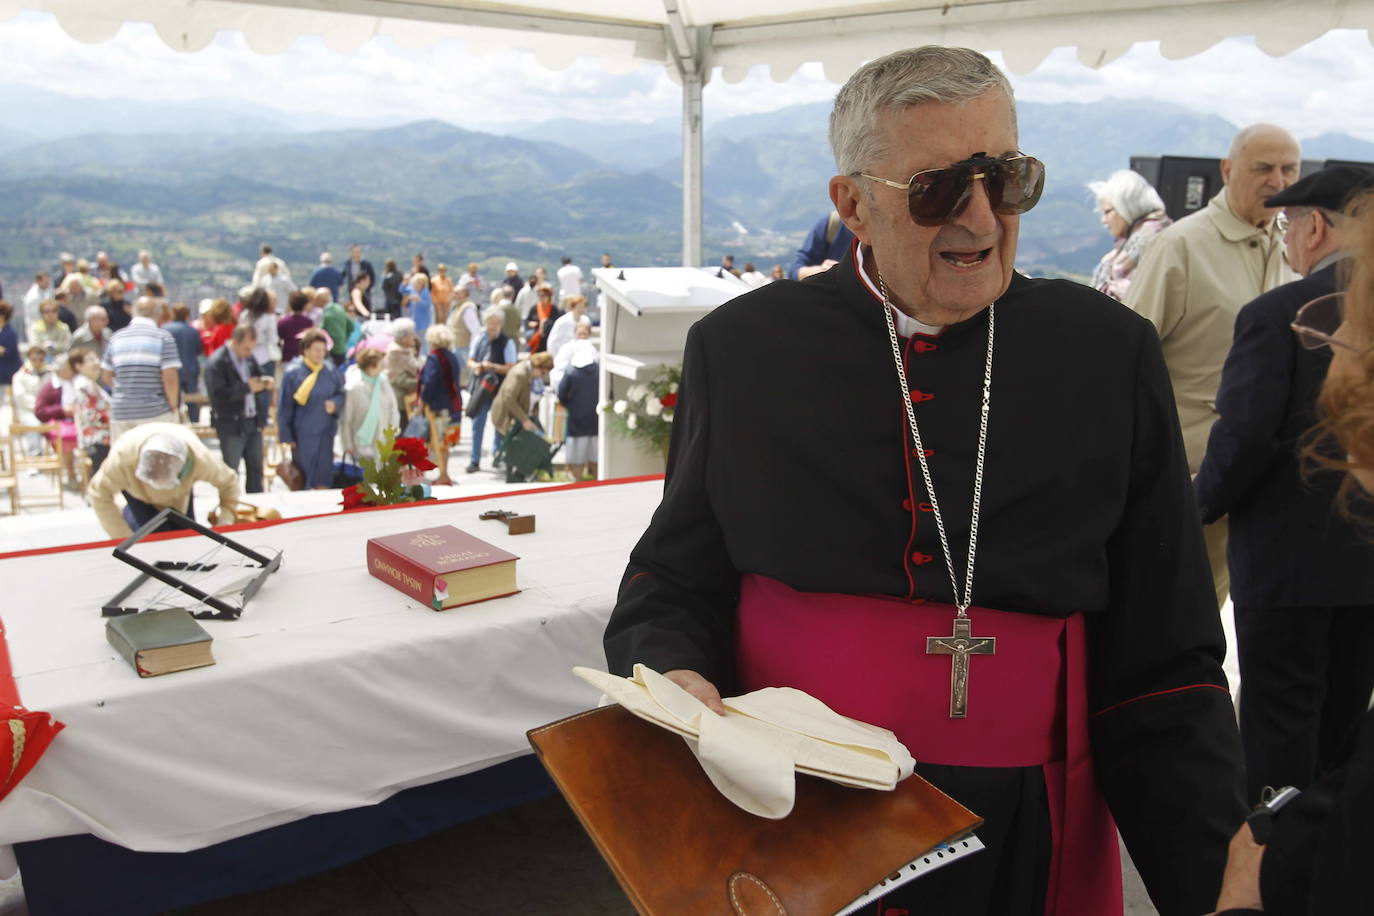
696,38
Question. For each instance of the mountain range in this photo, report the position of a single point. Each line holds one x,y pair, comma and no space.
203,184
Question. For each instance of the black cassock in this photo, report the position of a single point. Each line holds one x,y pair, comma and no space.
791,459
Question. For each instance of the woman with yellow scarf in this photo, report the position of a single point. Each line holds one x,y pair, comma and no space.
312,397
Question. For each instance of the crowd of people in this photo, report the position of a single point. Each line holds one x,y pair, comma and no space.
331,364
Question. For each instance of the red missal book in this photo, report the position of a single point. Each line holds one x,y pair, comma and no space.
442,567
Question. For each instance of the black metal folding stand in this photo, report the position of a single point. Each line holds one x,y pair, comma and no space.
164,571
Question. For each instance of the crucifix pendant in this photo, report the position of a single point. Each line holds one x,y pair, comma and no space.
960,645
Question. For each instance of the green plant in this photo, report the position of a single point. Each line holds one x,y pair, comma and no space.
395,475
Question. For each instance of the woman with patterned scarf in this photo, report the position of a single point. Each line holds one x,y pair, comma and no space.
312,397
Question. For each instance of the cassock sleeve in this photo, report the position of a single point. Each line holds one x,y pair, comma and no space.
676,607
1164,733
1251,402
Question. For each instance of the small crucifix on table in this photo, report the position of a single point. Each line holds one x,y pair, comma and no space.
960,644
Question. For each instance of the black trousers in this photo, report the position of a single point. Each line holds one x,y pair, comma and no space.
241,440
1306,675
137,513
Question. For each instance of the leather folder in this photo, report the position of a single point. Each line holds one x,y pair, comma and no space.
676,845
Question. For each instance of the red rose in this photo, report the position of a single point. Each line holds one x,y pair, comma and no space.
352,497
411,450
669,400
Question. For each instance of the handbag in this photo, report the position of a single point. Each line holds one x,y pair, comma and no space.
417,427
484,388
346,474
289,474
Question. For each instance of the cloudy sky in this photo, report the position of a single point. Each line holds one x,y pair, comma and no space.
1322,86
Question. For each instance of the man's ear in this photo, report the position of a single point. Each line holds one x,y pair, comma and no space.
1321,232
851,203
1226,171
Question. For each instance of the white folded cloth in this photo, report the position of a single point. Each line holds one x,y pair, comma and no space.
752,753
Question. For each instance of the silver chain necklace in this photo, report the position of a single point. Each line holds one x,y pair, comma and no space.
961,643
960,602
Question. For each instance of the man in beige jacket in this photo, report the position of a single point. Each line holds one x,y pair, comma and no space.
156,465
512,401
1198,273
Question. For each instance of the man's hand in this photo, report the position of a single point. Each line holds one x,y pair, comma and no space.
698,687
226,515
329,408
255,385
1240,882
528,424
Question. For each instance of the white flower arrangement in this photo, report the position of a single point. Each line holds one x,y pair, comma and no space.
645,413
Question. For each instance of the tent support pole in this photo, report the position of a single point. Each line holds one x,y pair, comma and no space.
688,46
691,170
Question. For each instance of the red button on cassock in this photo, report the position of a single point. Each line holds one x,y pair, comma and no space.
920,559
906,505
923,346
918,396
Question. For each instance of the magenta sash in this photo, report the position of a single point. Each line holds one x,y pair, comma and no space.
865,657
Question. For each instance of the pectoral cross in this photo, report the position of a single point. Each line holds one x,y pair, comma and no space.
960,644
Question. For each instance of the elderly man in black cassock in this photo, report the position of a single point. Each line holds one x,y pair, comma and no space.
964,515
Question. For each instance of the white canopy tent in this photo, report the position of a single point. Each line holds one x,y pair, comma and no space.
694,38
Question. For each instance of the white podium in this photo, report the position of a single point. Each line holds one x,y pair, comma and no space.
645,314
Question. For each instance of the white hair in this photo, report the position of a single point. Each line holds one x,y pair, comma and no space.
494,311
1129,194
403,327
930,73
326,258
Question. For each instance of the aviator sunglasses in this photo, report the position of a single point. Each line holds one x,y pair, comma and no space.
1319,321
937,196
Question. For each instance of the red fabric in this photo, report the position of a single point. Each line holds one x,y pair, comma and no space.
865,657
28,733
213,338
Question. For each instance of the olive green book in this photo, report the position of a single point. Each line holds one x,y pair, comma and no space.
160,642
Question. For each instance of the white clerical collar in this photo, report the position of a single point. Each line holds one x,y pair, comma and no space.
906,325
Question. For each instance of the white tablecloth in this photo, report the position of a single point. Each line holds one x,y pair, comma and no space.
332,691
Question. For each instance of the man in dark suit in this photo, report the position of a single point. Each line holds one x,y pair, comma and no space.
1302,578
232,380
355,267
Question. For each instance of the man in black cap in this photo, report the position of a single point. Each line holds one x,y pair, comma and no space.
1302,579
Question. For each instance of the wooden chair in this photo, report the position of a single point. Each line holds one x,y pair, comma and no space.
202,426
51,460
8,480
